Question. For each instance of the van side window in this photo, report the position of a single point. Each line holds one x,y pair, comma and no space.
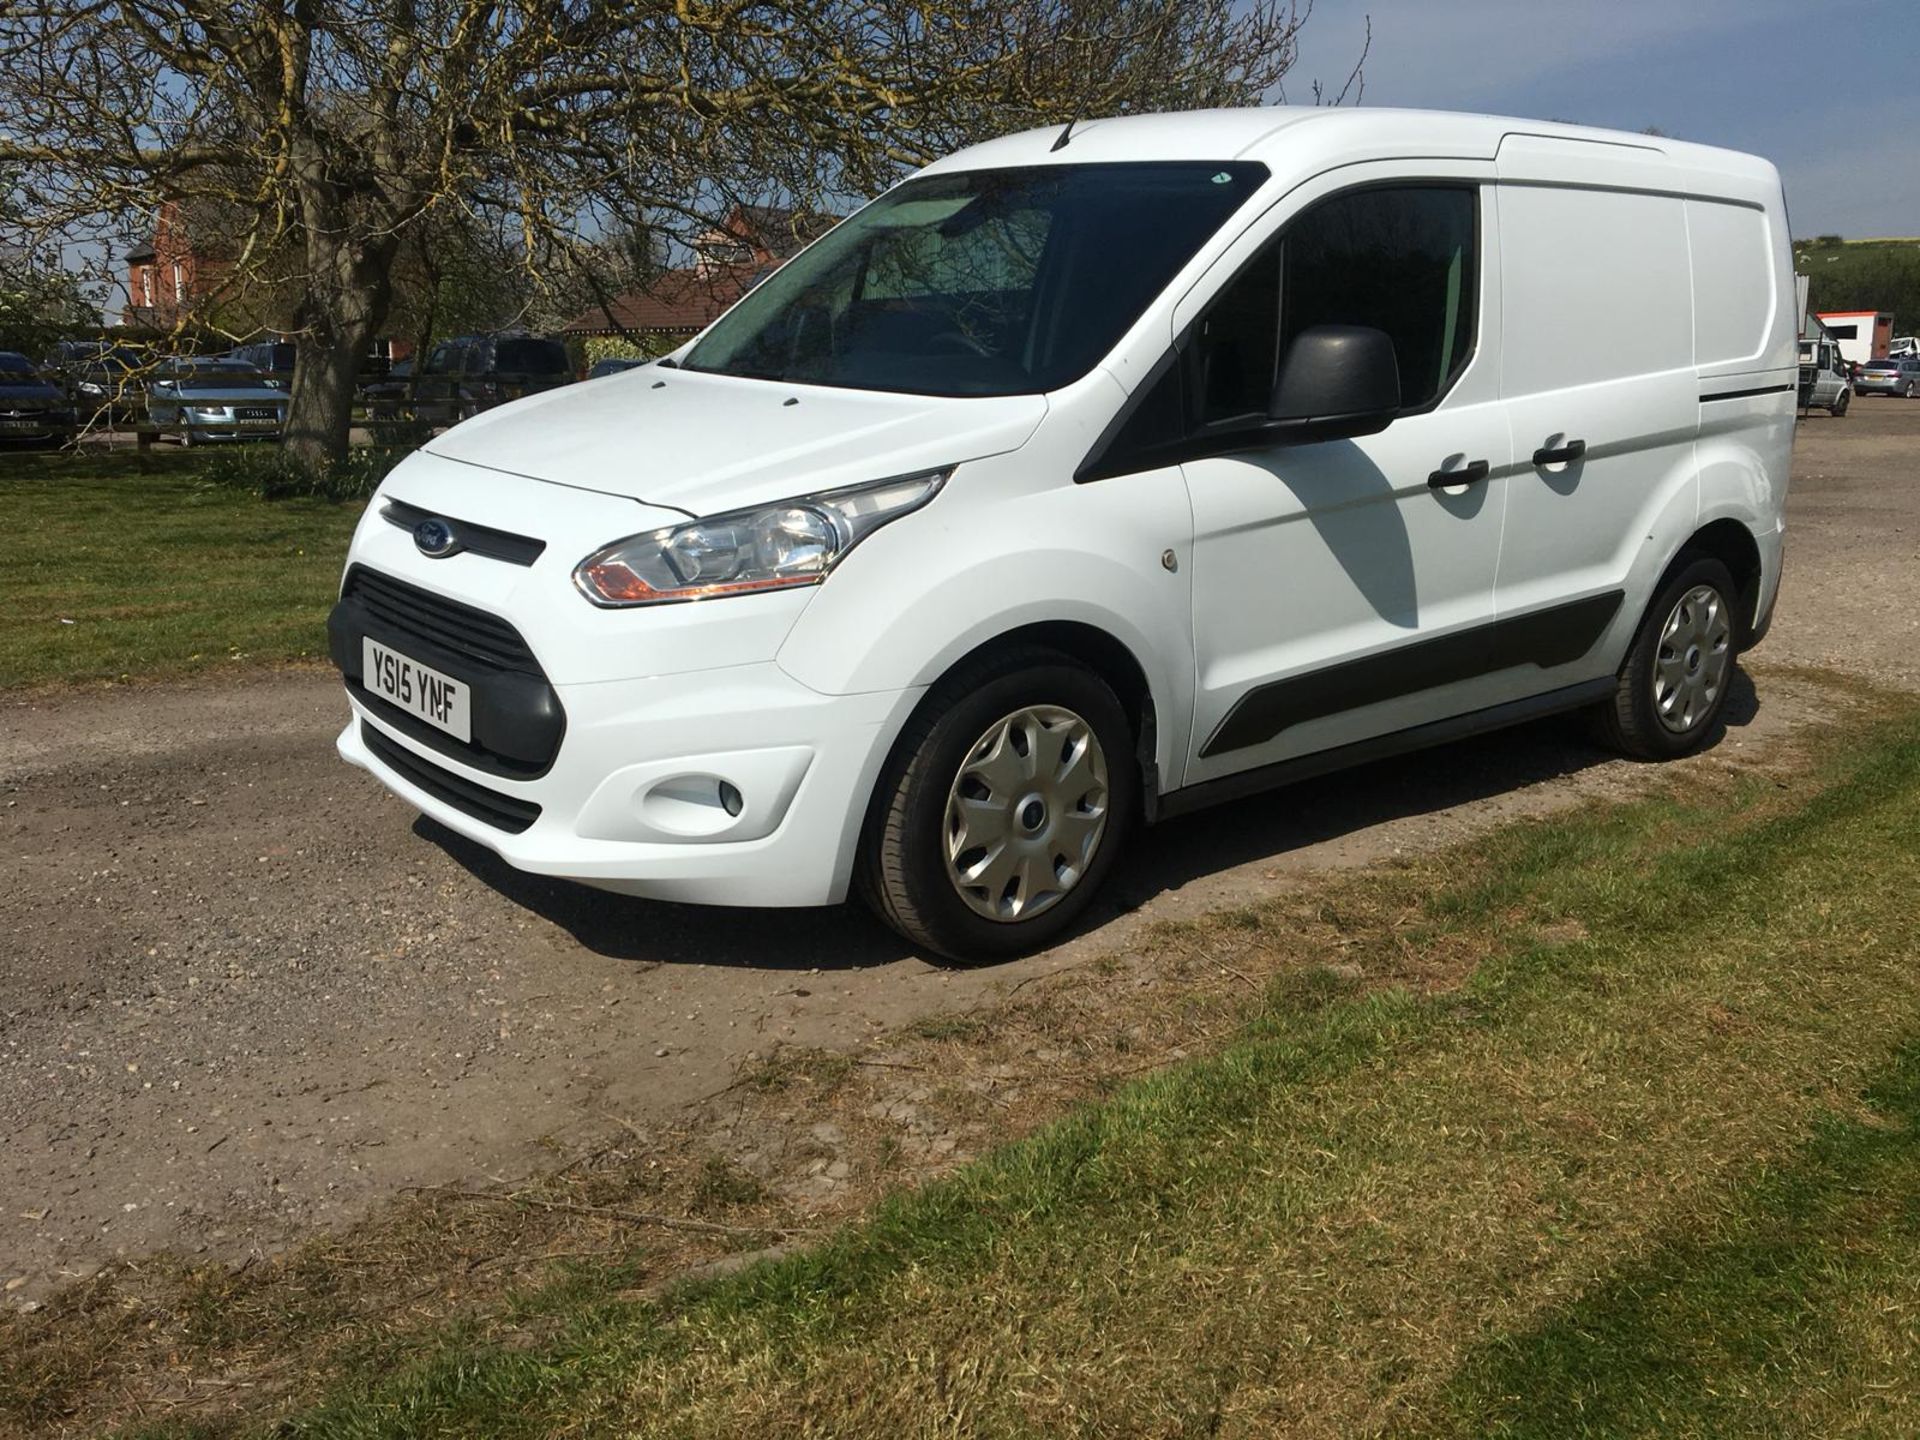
1398,258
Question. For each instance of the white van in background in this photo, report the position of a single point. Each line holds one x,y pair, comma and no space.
1826,381
1087,478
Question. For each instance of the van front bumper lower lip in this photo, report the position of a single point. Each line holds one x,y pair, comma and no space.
732,787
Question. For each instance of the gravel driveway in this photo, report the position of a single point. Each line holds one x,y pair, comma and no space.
245,992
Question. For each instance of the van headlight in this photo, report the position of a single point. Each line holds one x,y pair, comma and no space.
772,547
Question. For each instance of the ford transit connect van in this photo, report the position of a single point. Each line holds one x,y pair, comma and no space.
1081,480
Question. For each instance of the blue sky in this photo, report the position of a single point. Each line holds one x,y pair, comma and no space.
1829,90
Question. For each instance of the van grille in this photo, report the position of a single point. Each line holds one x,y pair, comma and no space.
517,719
474,635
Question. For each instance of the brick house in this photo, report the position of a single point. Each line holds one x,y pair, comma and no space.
186,261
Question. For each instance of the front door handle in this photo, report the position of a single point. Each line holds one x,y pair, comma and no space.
1473,470
1561,454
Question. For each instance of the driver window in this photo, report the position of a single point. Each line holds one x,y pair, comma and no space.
965,290
1397,258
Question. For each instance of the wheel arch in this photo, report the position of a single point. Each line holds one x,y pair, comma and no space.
1731,543
1099,650
1110,658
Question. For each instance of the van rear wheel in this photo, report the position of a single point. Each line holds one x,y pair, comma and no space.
1003,809
1674,683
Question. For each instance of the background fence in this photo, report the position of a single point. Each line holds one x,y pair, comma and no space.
388,411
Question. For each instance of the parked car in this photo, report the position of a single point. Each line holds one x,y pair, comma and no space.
101,377
612,365
32,408
273,358
1826,382
1889,377
463,376
214,399
1082,480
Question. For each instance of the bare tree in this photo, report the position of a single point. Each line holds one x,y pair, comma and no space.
341,128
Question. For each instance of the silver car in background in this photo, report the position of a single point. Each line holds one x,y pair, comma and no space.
1889,377
205,400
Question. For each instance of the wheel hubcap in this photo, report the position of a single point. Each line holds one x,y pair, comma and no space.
1690,666
1026,814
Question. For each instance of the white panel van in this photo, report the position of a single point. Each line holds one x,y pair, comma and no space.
1086,478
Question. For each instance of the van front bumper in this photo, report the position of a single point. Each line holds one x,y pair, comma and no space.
738,786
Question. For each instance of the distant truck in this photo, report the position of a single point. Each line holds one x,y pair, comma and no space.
1903,346
1826,382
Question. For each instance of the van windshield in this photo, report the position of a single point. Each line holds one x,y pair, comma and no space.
992,282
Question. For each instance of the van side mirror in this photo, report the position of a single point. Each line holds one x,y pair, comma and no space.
1336,382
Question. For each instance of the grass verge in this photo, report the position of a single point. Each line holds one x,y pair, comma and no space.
1606,1124
1689,1030
121,566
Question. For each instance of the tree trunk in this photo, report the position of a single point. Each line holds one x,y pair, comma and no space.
320,407
348,296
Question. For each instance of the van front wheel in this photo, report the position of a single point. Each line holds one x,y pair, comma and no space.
1003,809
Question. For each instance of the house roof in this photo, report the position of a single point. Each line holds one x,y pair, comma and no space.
141,252
677,301
780,230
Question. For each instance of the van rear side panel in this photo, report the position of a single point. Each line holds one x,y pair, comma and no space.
1746,334
1735,303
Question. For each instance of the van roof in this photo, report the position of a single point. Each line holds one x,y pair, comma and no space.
1303,140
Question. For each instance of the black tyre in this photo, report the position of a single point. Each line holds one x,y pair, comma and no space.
1839,406
1674,682
1001,813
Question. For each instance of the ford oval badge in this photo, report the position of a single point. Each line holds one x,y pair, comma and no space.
435,538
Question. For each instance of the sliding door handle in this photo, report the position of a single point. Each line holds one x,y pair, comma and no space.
1560,454
1473,470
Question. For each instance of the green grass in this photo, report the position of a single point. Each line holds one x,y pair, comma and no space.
1641,1157
119,566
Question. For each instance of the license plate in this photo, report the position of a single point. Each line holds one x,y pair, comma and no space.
23,424
440,700
266,423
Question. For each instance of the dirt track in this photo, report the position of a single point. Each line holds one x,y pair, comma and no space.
244,992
